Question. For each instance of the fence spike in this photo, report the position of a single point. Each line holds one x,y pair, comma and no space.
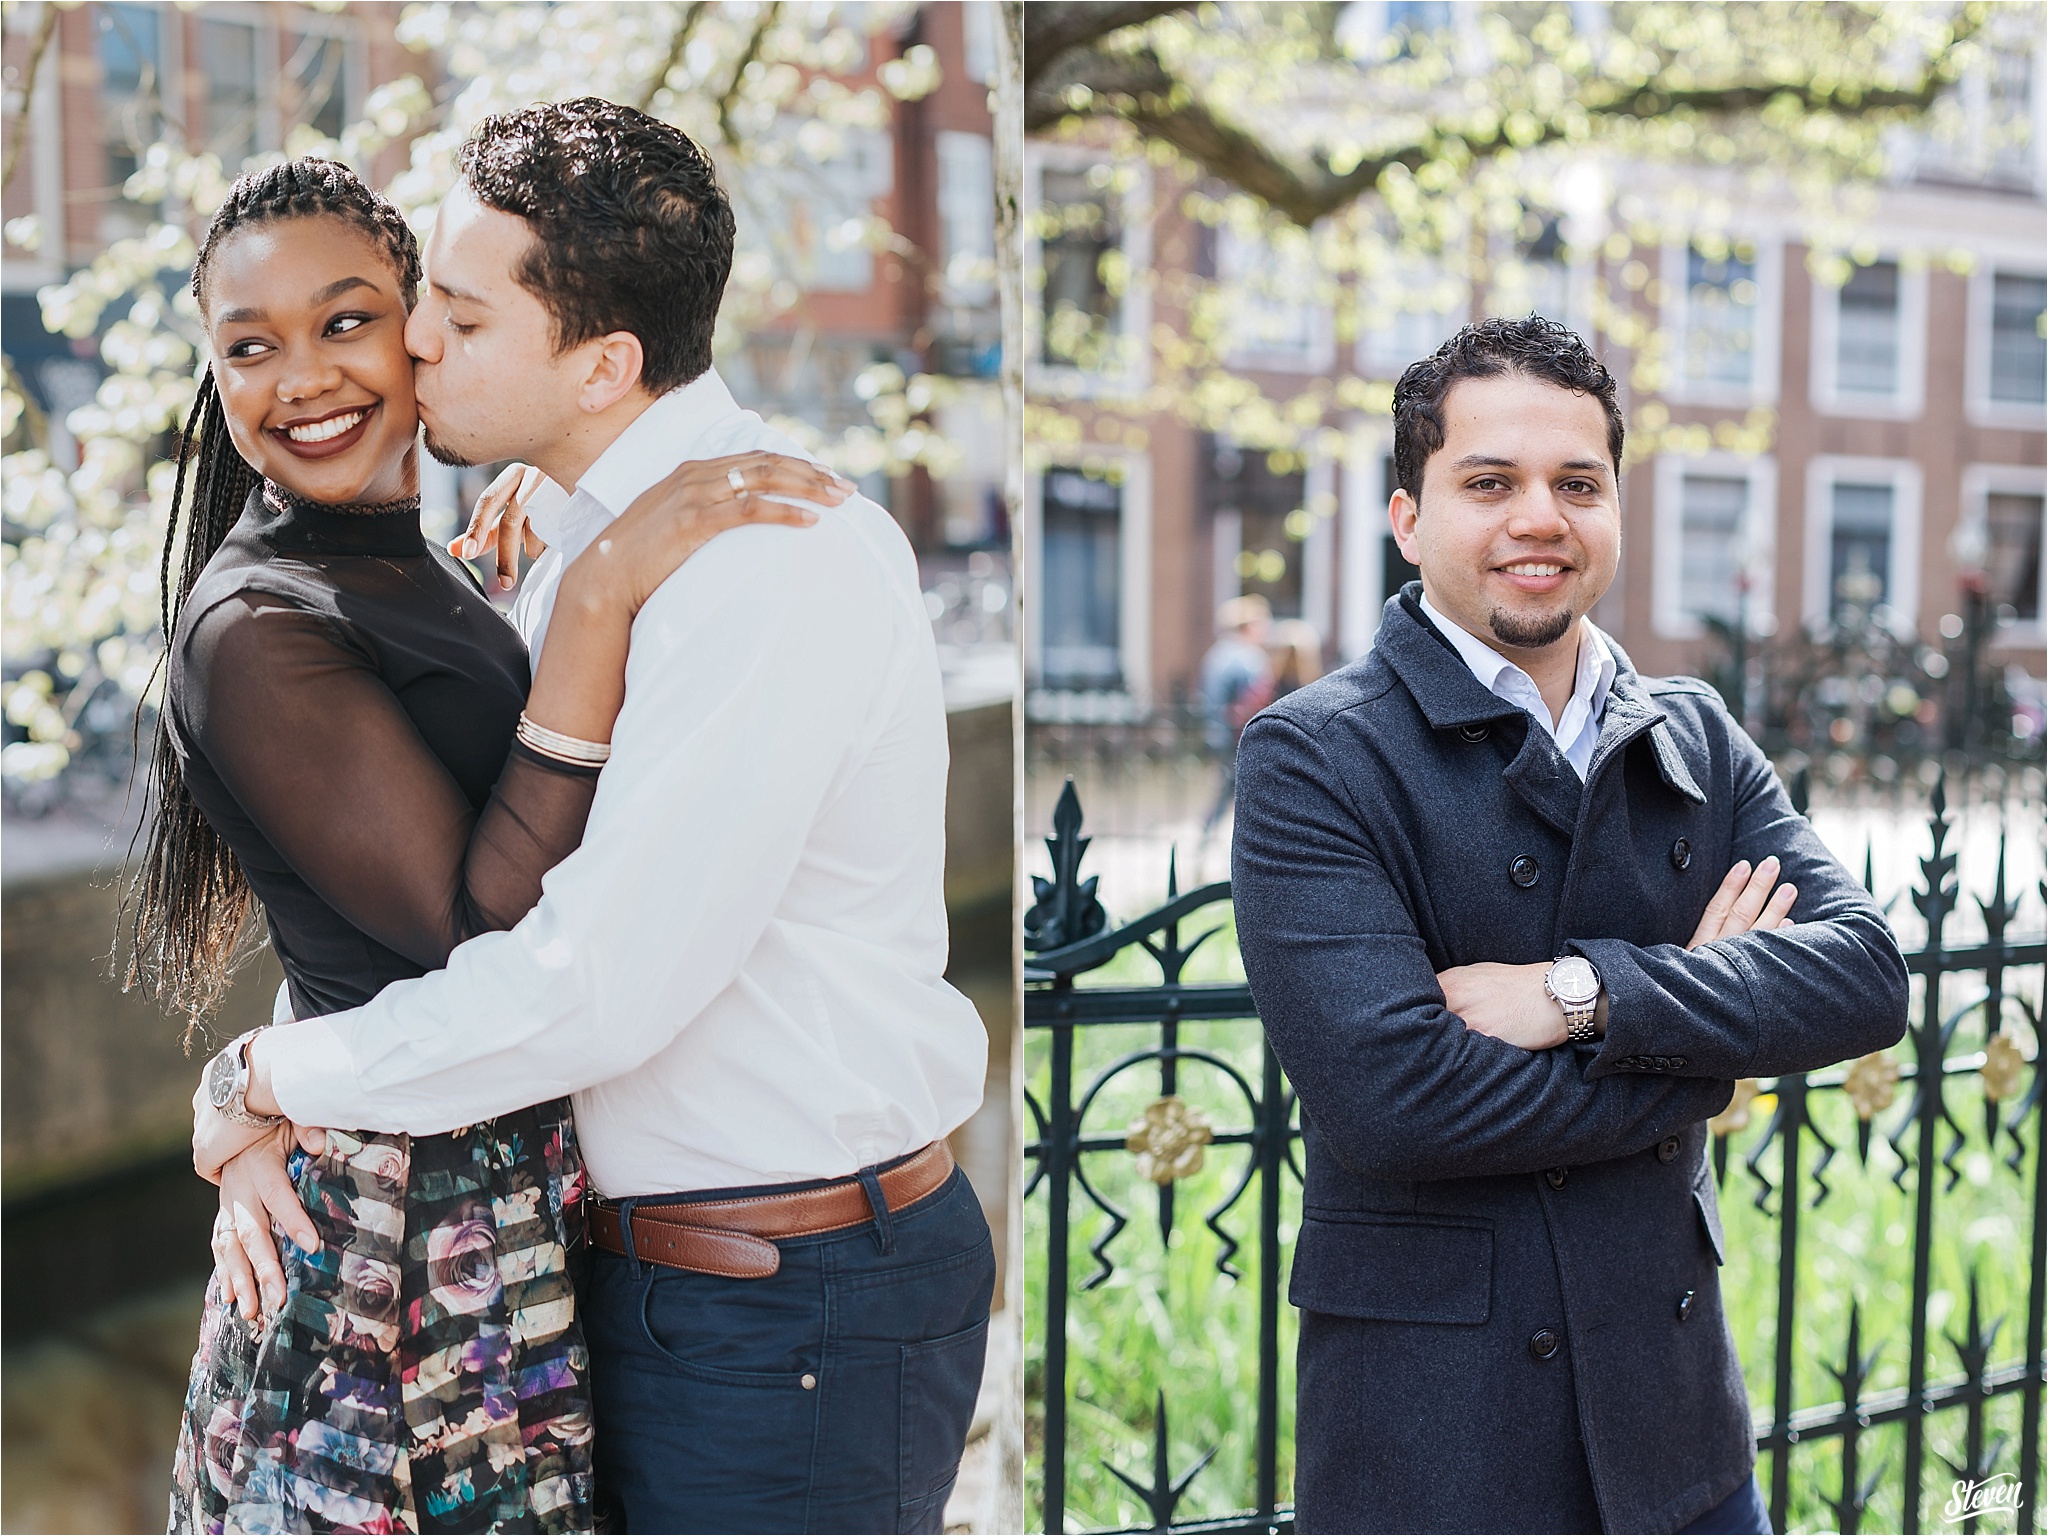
1165,1490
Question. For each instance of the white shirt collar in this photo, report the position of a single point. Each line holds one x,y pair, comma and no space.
1498,675
653,443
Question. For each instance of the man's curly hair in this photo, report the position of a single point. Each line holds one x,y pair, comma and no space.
1534,347
631,229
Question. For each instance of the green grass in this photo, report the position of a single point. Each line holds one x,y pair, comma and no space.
1166,1319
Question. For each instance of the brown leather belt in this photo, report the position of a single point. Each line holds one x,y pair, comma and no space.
736,1238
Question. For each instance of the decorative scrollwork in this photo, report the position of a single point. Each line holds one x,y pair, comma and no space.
1736,1116
1872,1084
1168,1139
2004,1064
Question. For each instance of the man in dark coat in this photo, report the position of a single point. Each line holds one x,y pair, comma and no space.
1513,919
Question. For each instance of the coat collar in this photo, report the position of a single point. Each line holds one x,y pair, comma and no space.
1450,697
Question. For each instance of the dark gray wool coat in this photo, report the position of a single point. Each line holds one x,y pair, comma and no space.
1510,1314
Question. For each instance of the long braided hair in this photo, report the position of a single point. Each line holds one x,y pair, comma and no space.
191,907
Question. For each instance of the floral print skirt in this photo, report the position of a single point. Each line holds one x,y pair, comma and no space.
427,1371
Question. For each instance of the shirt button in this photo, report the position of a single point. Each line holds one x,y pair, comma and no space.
1555,1177
1667,1149
1525,871
1681,854
1685,1306
1474,732
1543,1343
810,1382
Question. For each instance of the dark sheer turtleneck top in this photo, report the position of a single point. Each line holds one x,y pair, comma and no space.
342,698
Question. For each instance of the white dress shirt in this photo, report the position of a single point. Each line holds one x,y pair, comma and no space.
739,974
1578,728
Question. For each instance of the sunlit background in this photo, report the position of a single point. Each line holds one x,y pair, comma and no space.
856,143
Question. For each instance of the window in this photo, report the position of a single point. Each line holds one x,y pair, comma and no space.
1710,512
1862,541
227,58
1081,608
1869,342
1999,533
1267,513
318,83
978,42
967,216
1720,318
1867,332
1406,316
1538,280
2019,348
1082,238
1087,250
1859,547
1715,521
1269,294
130,44
2012,556
816,209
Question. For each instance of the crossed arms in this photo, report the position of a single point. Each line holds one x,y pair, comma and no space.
1405,1085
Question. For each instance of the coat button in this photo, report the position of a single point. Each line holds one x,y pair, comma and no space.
1667,1149
1474,732
1543,1343
1685,1306
1681,854
1555,1177
1525,871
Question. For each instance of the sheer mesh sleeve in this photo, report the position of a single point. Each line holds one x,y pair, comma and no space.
323,758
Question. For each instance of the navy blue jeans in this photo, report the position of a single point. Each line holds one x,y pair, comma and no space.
834,1395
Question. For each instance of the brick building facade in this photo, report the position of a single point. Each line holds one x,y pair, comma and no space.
1903,412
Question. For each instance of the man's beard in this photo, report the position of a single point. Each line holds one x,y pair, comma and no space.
442,452
1523,631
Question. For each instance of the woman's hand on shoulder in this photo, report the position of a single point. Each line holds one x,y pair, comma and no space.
500,520
678,515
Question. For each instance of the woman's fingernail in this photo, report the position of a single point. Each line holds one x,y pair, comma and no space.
810,517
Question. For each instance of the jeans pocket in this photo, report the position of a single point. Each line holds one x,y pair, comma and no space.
941,1378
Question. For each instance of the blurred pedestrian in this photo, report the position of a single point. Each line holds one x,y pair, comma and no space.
1297,656
1237,682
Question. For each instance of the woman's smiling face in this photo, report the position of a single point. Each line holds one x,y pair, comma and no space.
307,326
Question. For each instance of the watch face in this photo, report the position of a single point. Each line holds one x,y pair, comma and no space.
220,1080
1573,980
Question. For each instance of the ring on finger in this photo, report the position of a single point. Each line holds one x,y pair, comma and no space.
737,479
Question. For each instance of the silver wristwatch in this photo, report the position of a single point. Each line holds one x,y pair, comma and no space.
1575,986
227,1083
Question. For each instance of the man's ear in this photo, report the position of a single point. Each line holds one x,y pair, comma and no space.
613,371
1401,515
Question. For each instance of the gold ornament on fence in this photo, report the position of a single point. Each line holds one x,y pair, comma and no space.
2003,1063
1169,1140
1736,1115
1872,1083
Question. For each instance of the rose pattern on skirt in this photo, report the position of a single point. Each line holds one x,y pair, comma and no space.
427,1360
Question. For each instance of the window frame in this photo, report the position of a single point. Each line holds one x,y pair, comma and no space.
1902,579
1909,396
1134,316
1766,340
1320,355
1362,509
1134,596
1982,409
1759,531
1979,483
355,63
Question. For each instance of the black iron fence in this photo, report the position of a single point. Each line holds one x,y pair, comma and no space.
1973,1052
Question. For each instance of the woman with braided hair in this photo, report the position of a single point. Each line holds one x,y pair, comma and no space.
352,737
